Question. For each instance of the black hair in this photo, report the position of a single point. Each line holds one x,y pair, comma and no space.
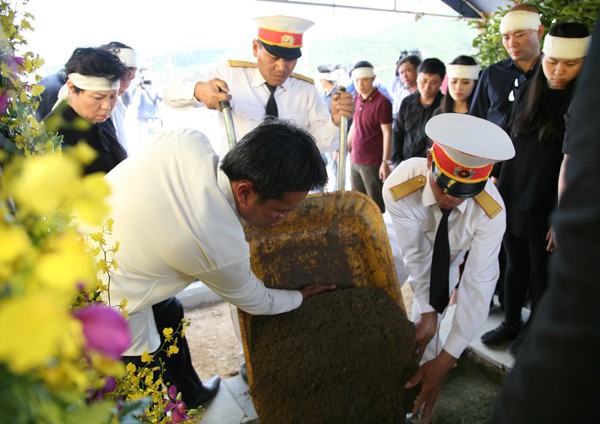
447,104
413,59
276,157
539,113
361,64
432,65
95,62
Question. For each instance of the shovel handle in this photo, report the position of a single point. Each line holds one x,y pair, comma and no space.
341,177
227,116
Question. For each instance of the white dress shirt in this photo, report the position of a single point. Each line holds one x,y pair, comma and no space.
176,221
297,100
118,119
415,218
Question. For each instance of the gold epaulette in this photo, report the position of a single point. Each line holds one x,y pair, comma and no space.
241,64
303,78
402,190
488,204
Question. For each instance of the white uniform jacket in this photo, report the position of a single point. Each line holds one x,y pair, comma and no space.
297,100
176,221
415,217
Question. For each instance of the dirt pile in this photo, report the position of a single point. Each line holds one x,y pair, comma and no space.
343,356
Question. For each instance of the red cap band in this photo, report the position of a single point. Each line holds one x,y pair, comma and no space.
458,172
279,38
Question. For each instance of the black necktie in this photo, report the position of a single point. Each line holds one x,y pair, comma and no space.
440,266
271,109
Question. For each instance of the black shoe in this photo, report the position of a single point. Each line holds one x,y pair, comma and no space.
515,345
209,390
503,333
244,372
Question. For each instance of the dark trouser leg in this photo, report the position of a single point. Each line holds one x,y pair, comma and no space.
356,181
499,291
517,277
366,180
179,368
539,272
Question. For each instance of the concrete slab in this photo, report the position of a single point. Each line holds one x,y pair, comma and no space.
232,405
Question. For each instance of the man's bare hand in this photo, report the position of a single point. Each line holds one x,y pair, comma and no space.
212,92
313,289
341,104
432,374
425,329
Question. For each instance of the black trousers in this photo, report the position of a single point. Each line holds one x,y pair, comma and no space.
179,370
526,270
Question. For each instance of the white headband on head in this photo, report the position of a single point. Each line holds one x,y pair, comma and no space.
86,82
128,57
364,72
566,48
463,71
329,76
519,19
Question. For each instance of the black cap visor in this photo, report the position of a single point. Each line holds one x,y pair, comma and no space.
456,188
282,52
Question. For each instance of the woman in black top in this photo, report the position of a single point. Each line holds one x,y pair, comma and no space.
85,103
529,182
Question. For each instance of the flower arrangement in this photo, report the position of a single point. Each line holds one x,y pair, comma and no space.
62,343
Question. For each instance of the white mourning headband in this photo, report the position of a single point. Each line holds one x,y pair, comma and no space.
128,57
86,82
566,48
463,71
519,19
329,76
364,72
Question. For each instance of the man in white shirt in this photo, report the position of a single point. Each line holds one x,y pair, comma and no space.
247,86
178,218
450,185
129,58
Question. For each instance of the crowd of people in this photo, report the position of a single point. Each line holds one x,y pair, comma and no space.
467,178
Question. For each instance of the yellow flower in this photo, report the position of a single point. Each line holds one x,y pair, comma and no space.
131,368
35,330
15,246
82,153
173,350
45,183
89,203
146,357
168,333
64,265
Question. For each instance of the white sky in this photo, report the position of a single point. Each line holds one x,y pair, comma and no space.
62,25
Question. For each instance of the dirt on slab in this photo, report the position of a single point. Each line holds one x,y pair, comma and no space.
343,356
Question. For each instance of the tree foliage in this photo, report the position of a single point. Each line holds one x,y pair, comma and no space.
489,41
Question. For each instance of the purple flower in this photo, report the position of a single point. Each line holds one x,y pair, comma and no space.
105,330
176,406
4,100
110,385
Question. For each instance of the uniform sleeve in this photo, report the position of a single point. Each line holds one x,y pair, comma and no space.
416,248
321,125
477,283
179,94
